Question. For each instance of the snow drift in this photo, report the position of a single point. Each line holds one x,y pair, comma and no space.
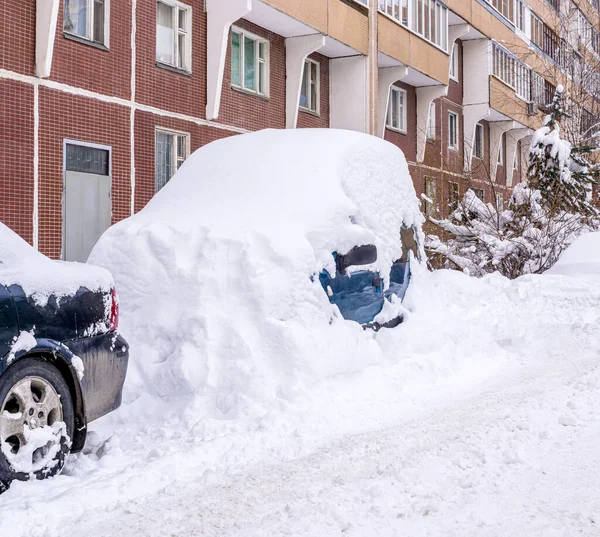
580,258
41,277
214,274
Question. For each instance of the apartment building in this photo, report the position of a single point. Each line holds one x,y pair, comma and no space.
102,100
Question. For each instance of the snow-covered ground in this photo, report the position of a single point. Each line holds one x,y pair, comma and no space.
485,424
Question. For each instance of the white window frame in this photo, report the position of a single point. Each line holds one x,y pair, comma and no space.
265,61
174,156
479,152
317,106
187,31
499,203
90,25
501,150
453,145
431,122
395,93
454,63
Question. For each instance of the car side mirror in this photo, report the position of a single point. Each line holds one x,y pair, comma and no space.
359,255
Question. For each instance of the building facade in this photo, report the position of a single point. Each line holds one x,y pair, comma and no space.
102,100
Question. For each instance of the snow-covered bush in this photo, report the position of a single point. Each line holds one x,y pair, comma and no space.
543,216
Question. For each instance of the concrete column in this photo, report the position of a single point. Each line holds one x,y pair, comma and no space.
512,137
46,17
387,76
349,87
497,129
297,50
220,16
425,96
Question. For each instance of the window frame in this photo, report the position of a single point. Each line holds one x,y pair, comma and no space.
500,157
453,71
479,149
177,31
317,109
478,191
396,91
266,61
453,146
499,203
174,156
90,26
453,196
430,133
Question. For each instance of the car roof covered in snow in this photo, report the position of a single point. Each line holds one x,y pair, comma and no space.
337,188
582,257
41,277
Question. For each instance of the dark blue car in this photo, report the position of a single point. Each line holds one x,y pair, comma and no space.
360,293
62,365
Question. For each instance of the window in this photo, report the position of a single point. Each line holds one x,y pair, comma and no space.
87,19
499,203
428,18
479,193
452,130
454,63
549,91
249,62
478,145
588,123
173,34
431,122
431,195
501,150
396,114
504,7
523,81
521,16
453,196
310,89
503,65
172,148
537,31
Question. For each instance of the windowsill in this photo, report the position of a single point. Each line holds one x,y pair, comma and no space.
393,129
453,79
309,112
250,93
453,148
173,69
478,158
85,41
431,141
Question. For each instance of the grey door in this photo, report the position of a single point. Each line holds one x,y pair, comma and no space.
87,200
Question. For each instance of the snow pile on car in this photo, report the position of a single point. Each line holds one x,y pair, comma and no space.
216,274
41,277
580,258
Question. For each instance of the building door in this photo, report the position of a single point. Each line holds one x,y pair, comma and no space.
87,199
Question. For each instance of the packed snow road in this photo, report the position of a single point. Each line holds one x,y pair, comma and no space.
485,425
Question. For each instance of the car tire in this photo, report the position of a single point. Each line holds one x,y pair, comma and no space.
49,392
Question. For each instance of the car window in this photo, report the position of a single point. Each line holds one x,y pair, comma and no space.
409,243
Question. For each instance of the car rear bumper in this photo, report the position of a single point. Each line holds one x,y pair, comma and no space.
105,360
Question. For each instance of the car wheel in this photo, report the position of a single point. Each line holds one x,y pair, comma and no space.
36,421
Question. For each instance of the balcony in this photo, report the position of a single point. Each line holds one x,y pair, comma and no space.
336,29
500,90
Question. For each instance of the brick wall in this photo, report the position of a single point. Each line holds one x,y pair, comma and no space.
255,112
16,157
17,45
145,129
406,141
65,116
90,67
321,121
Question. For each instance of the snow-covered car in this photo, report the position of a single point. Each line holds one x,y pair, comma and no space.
62,361
221,274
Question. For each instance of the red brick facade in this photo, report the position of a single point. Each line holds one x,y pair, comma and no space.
88,98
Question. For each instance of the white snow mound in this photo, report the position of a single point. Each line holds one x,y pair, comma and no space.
42,277
580,258
214,274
